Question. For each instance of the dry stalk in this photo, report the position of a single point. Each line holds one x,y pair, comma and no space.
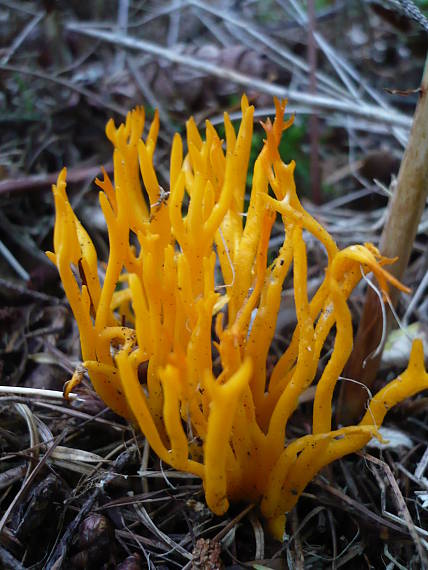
405,211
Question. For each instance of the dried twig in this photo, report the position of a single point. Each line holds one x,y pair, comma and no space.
412,11
13,262
90,95
315,167
375,113
20,38
404,214
286,55
351,505
57,556
29,480
348,75
401,506
45,181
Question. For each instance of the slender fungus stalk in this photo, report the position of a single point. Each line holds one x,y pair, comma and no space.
200,265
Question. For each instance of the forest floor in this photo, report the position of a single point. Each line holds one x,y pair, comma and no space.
79,487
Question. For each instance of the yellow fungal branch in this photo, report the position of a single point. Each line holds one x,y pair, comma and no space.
195,300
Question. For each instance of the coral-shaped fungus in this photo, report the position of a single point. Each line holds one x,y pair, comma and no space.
189,293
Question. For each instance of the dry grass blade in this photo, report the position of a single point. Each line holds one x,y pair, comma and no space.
77,455
74,467
28,416
259,536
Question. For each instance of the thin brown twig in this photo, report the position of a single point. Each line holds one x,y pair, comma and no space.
233,522
358,507
45,181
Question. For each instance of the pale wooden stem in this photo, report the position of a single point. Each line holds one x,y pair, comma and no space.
404,213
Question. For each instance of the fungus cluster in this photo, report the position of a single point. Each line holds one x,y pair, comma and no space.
176,335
